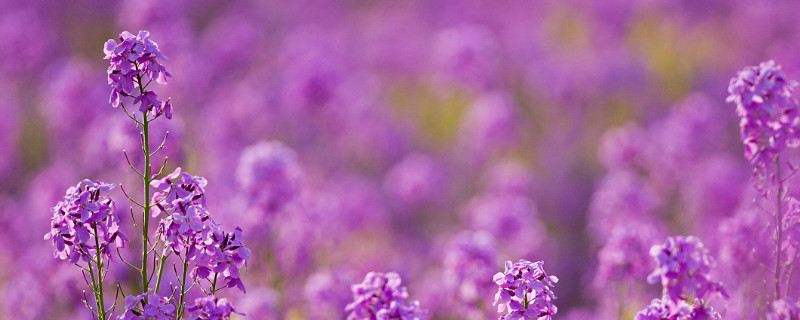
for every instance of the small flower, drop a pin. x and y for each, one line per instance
(380, 296)
(156, 308)
(665, 309)
(210, 307)
(525, 291)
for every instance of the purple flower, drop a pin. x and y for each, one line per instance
(664, 309)
(768, 113)
(178, 189)
(135, 63)
(683, 266)
(657, 310)
(82, 220)
(188, 227)
(216, 253)
(380, 296)
(210, 308)
(525, 291)
(156, 308)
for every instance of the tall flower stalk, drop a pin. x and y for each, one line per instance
(769, 123)
(132, 58)
(84, 224)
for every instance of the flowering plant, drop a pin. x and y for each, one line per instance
(85, 224)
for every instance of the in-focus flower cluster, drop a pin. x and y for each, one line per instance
(134, 64)
(148, 306)
(84, 220)
(525, 291)
(188, 229)
(210, 308)
(769, 116)
(380, 296)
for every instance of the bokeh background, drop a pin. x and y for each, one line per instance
(436, 139)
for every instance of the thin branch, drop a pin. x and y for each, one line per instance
(133, 117)
(160, 170)
(126, 262)
(161, 146)
(129, 197)
(86, 303)
(134, 221)
(131, 164)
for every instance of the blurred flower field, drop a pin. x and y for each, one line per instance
(616, 159)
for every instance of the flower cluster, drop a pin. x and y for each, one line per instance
(85, 222)
(189, 228)
(148, 306)
(684, 267)
(182, 197)
(525, 291)
(660, 309)
(220, 253)
(210, 307)
(135, 63)
(380, 296)
(769, 116)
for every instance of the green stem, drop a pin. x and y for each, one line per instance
(183, 285)
(100, 302)
(94, 288)
(214, 284)
(526, 301)
(146, 178)
(160, 271)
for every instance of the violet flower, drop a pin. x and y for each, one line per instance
(684, 267)
(380, 296)
(134, 63)
(769, 117)
(156, 308)
(210, 308)
(525, 291)
(84, 219)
